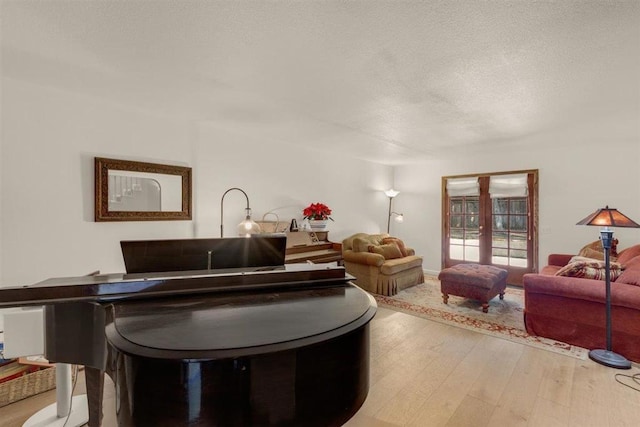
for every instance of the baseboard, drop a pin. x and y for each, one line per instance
(433, 273)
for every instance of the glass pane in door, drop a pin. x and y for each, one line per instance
(509, 231)
(464, 228)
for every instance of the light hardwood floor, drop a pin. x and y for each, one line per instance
(424, 373)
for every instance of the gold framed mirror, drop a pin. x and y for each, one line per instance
(127, 190)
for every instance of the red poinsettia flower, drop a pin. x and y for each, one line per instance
(317, 211)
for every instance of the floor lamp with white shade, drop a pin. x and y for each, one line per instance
(398, 217)
(605, 218)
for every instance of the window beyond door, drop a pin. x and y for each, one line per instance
(491, 219)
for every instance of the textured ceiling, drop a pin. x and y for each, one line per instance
(392, 82)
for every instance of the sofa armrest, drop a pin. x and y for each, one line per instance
(559, 259)
(366, 258)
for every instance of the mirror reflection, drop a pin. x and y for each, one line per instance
(131, 191)
(136, 191)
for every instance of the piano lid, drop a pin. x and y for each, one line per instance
(109, 287)
(215, 324)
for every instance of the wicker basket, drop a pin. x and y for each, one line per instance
(27, 385)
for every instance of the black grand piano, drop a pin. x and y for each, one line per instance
(248, 345)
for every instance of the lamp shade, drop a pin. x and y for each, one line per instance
(248, 226)
(609, 217)
(391, 192)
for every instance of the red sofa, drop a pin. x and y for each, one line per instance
(572, 309)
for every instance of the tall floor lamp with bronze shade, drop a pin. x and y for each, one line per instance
(608, 217)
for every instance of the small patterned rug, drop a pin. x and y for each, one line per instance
(505, 318)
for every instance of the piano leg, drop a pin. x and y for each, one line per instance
(94, 379)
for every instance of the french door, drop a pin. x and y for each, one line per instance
(491, 219)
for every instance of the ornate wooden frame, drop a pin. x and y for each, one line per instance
(102, 213)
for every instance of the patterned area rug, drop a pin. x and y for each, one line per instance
(504, 320)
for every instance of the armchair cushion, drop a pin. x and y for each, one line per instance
(394, 266)
(365, 258)
(388, 251)
(398, 242)
(360, 245)
(362, 241)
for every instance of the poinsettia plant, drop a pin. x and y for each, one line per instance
(317, 211)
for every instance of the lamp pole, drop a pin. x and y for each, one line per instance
(606, 236)
(389, 216)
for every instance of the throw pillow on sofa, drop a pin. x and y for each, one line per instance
(589, 269)
(630, 272)
(360, 245)
(388, 251)
(596, 251)
(628, 254)
(398, 242)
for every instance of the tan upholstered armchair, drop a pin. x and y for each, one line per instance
(380, 263)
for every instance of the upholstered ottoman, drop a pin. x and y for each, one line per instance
(474, 281)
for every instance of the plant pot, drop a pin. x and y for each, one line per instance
(319, 224)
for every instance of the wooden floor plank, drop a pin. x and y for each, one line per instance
(557, 382)
(549, 414)
(516, 404)
(471, 412)
(491, 383)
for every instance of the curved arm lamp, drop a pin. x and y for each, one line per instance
(246, 227)
(391, 193)
(608, 217)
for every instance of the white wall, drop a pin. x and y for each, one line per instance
(50, 138)
(1, 162)
(49, 141)
(583, 167)
(284, 180)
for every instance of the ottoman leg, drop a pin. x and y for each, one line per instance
(501, 295)
(485, 307)
(445, 298)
